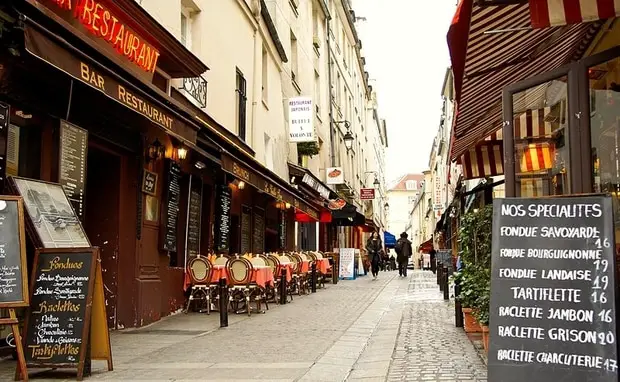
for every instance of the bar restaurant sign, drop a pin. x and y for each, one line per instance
(106, 24)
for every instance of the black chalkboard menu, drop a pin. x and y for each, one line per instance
(222, 218)
(72, 169)
(246, 230)
(552, 312)
(13, 272)
(194, 217)
(171, 207)
(258, 235)
(58, 321)
(282, 230)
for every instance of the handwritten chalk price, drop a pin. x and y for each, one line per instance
(610, 365)
(599, 297)
(600, 282)
(603, 244)
(601, 264)
(605, 315)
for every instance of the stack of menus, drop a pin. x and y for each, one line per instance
(553, 290)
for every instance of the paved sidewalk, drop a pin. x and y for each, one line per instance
(363, 330)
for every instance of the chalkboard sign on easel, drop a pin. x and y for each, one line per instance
(13, 270)
(66, 307)
(553, 290)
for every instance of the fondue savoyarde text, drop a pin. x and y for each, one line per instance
(554, 260)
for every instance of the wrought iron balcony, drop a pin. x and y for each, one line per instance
(196, 88)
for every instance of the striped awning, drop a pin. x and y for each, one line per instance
(487, 157)
(548, 13)
(492, 47)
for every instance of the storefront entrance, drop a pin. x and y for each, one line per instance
(563, 131)
(102, 219)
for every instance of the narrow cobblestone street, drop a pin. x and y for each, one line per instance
(391, 329)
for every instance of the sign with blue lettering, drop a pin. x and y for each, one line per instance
(553, 290)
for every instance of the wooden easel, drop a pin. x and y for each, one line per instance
(14, 322)
(95, 335)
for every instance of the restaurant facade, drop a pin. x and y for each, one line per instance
(538, 96)
(98, 97)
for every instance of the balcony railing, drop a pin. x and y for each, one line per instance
(196, 87)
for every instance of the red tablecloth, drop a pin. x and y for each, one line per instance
(305, 267)
(322, 265)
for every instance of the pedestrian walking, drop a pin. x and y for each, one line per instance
(374, 247)
(403, 253)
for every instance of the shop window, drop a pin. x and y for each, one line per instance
(241, 91)
(541, 140)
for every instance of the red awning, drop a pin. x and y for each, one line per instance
(324, 217)
(426, 247)
(494, 46)
(547, 13)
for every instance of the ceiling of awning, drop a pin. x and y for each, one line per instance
(495, 46)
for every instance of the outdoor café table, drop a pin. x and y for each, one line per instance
(305, 267)
(261, 275)
(322, 265)
(289, 270)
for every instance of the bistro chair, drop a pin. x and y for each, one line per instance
(221, 260)
(243, 291)
(199, 270)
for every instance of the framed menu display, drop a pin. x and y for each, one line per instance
(194, 217)
(52, 221)
(258, 233)
(170, 211)
(72, 164)
(223, 203)
(13, 271)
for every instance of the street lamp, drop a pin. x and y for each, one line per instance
(348, 140)
(376, 183)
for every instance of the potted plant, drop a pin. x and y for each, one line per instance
(468, 296)
(475, 253)
(482, 307)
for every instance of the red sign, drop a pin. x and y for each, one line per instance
(367, 193)
(103, 23)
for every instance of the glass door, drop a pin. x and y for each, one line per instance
(539, 136)
(600, 99)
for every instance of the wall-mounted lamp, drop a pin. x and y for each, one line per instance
(386, 206)
(200, 165)
(287, 205)
(241, 185)
(348, 137)
(376, 183)
(181, 152)
(155, 151)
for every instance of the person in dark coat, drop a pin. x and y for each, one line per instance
(403, 253)
(374, 246)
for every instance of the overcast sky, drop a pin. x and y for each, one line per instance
(404, 42)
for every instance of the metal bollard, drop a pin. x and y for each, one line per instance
(313, 278)
(440, 278)
(446, 278)
(283, 287)
(223, 303)
(458, 309)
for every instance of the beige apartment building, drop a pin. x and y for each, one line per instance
(263, 53)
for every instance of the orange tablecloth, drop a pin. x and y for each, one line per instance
(322, 265)
(260, 275)
(305, 266)
(289, 271)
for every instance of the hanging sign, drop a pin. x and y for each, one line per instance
(553, 290)
(301, 120)
(367, 193)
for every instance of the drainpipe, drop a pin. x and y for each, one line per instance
(256, 93)
(332, 132)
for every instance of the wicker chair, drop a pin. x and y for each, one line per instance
(243, 291)
(200, 270)
(221, 260)
(274, 264)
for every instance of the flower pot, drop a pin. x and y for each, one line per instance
(485, 338)
(470, 323)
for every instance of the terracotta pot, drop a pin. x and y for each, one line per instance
(485, 338)
(470, 323)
